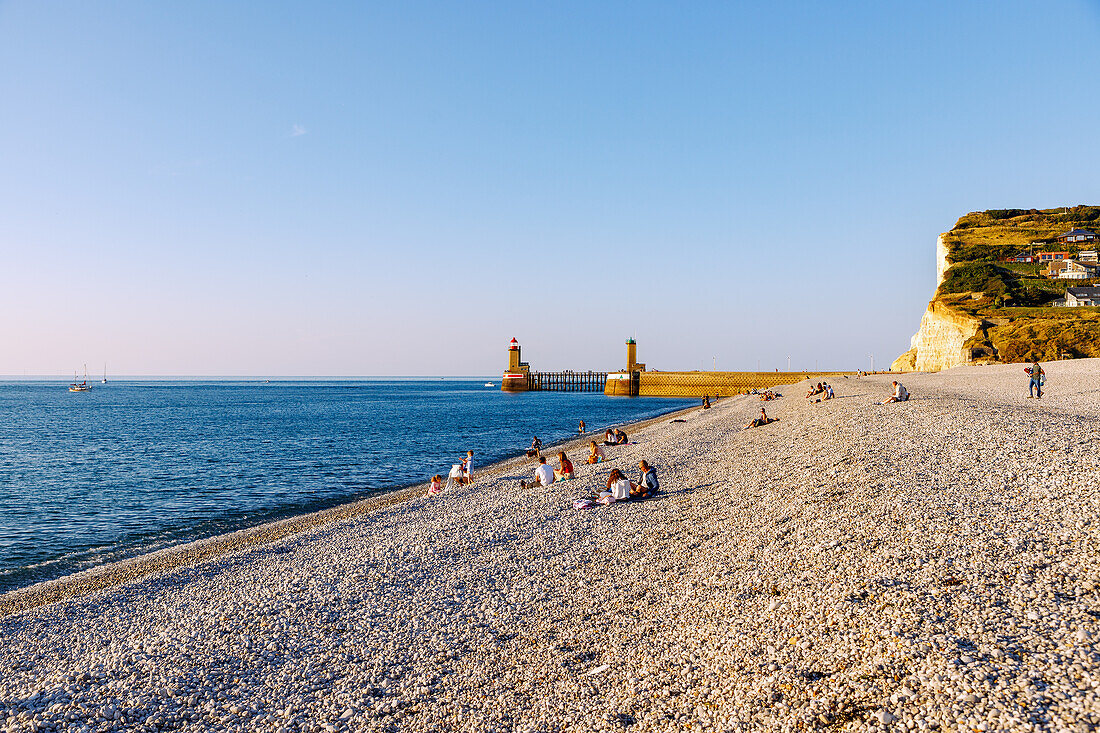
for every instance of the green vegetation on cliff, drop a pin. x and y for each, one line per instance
(1013, 299)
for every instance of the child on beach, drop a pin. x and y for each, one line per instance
(436, 485)
(564, 472)
(595, 453)
(468, 468)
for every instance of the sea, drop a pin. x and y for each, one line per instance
(130, 466)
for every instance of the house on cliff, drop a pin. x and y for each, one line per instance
(1077, 235)
(1072, 270)
(1082, 297)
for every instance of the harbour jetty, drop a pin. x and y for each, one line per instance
(923, 566)
(636, 381)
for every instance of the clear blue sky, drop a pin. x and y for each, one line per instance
(369, 188)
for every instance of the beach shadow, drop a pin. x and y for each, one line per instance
(666, 493)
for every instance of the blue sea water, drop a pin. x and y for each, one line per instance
(130, 467)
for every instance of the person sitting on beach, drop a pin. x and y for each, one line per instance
(829, 391)
(706, 402)
(647, 486)
(620, 437)
(1038, 377)
(564, 471)
(436, 485)
(544, 475)
(454, 478)
(760, 421)
(536, 448)
(901, 394)
(580, 428)
(468, 468)
(595, 452)
(618, 487)
(609, 437)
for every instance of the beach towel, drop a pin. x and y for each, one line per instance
(606, 500)
(583, 503)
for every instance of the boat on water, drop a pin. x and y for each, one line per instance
(489, 384)
(104, 374)
(80, 386)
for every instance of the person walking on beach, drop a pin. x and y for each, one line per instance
(1038, 377)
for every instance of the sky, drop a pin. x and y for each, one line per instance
(356, 189)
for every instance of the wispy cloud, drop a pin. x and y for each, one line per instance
(297, 131)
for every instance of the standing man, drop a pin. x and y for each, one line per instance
(1038, 376)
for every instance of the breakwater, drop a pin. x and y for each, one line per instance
(636, 381)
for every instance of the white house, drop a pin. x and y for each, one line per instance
(1073, 270)
(1082, 296)
(1087, 255)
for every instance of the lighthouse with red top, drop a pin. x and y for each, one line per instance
(515, 378)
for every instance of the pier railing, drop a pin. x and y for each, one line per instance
(566, 381)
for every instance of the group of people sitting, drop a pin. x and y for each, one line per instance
(620, 488)
(766, 395)
(821, 388)
(546, 475)
(460, 474)
(614, 437)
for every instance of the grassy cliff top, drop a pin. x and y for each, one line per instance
(998, 233)
(1012, 299)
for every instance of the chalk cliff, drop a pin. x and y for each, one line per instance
(939, 342)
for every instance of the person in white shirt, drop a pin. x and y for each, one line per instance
(618, 486)
(454, 478)
(544, 475)
(901, 394)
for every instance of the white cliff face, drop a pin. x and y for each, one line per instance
(941, 259)
(938, 343)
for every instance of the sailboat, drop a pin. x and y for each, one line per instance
(80, 386)
(104, 374)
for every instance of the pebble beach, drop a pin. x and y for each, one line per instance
(929, 565)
